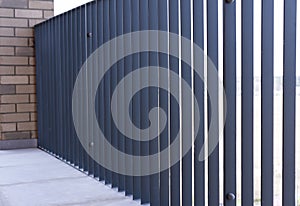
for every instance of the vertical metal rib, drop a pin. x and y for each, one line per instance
(144, 109)
(247, 103)
(174, 113)
(107, 130)
(229, 64)
(289, 101)
(113, 82)
(100, 97)
(164, 186)
(267, 102)
(136, 21)
(186, 107)
(153, 102)
(199, 167)
(127, 23)
(212, 52)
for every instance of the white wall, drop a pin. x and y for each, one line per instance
(61, 6)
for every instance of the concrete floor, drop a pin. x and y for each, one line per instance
(31, 177)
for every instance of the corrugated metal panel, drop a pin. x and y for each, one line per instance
(65, 43)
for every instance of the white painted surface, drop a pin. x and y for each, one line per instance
(61, 6)
(32, 177)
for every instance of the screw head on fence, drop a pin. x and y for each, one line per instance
(89, 34)
(230, 196)
(229, 1)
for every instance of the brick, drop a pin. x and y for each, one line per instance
(12, 60)
(14, 98)
(8, 127)
(31, 60)
(7, 31)
(7, 108)
(7, 89)
(33, 116)
(26, 107)
(33, 22)
(10, 22)
(25, 89)
(16, 117)
(48, 14)
(13, 41)
(33, 98)
(25, 70)
(31, 42)
(28, 13)
(16, 135)
(25, 51)
(32, 79)
(7, 51)
(41, 5)
(34, 134)
(6, 12)
(14, 4)
(25, 126)
(6, 70)
(13, 80)
(24, 32)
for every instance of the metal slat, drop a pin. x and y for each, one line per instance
(212, 52)
(48, 131)
(153, 102)
(120, 75)
(64, 52)
(174, 113)
(39, 89)
(267, 102)
(199, 167)
(229, 12)
(67, 60)
(51, 141)
(164, 183)
(70, 89)
(135, 20)
(95, 41)
(52, 94)
(247, 103)
(186, 106)
(44, 72)
(289, 102)
(76, 70)
(90, 18)
(99, 98)
(81, 55)
(113, 82)
(144, 102)
(127, 18)
(59, 90)
(107, 130)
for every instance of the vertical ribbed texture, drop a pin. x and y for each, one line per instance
(247, 103)
(229, 76)
(289, 101)
(212, 54)
(267, 102)
(63, 46)
(174, 113)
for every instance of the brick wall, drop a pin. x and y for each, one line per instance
(17, 66)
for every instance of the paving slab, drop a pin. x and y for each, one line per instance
(31, 177)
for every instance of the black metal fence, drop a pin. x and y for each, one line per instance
(65, 42)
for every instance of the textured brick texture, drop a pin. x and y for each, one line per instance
(18, 115)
